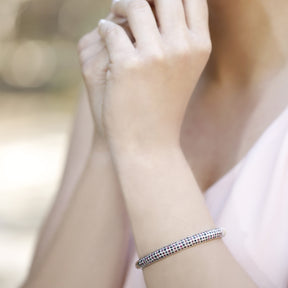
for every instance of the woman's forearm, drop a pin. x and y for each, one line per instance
(85, 244)
(80, 145)
(165, 205)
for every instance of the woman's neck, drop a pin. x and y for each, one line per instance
(250, 41)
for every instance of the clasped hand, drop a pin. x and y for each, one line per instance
(139, 86)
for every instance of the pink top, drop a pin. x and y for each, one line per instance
(251, 202)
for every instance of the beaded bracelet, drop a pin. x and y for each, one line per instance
(179, 245)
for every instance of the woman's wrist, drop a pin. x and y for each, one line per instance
(135, 161)
(123, 150)
(153, 183)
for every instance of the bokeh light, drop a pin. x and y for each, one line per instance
(40, 81)
(31, 64)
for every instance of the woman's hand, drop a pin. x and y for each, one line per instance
(94, 55)
(148, 83)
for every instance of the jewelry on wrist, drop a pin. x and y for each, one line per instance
(177, 246)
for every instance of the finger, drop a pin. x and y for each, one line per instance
(94, 70)
(93, 36)
(91, 51)
(171, 15)
(119, 12)
(117, 41)
(89, 39)
(125, 25)
(141, 21)
(197, 15)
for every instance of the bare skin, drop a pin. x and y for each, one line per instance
(233, 126)
(228, 90)
(88, 210)
(240, 94)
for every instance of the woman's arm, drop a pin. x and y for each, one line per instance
(84, 241)
(148, 87)
(165, 204)
(78, 155)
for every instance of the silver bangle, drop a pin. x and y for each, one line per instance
(180, 245)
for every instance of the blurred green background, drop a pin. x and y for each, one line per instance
(40, 81)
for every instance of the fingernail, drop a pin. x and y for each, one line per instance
(101, 23)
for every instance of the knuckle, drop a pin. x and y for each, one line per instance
(207, 46)
(183, 51)
(83, 55)
(88, 70)
(200, 44)
(86, 40)
(92, 53)
(204, 46)
(130, 65)
(189, 52)
(111, 30)
(155, 57)
(82, 43)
